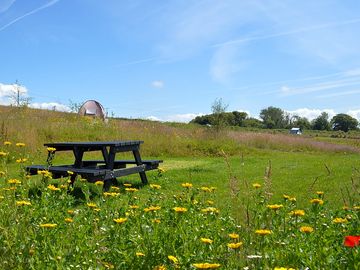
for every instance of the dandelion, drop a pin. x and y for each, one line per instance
(91, 205)
(139, 254)
(70, 212)
(108, 265)
(7, 143)
(339, 220)
(48, 225)
(70, 172)
(22, 203)
(53, 188)
(51, 149)
(210, 210)
(99, 183)
(233, 236)
(134, 206)
(317, 201)
(3, 154)
(96, 209)
(127, 185)
(274, 206)
(131, 189)
(206, 189)
(320, 193)
(154, 186)
(152, 208)
(161, 170)
(20, 144)
(173, 259)
(306, 229)
(206, 265)
(180, 209)
(120, 220)
(160, 267)
(292, 199)
(187, 185)
(21, 160)
(44, 173)
(263, 232)
(69, 220)
(156, 220)
(111, 194)
(115, 188)
(356, 207)
(286, 197)
(352, 241)
(210, 202)
(297, 213)
(256, 185)
(206, 240)
(235, 245)
(14, 181)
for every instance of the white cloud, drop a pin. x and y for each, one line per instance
(311, 113)
(354, 113)
(153, 118)
(8, 93)
(50, 106)
(158, 84)
(183, 118)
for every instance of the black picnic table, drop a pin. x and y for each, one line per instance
(106, 169)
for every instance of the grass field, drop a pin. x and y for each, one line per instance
(236, 179)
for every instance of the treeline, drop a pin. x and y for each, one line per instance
(276, 118)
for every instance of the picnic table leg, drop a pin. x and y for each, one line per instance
(108, 183)
(139, 162)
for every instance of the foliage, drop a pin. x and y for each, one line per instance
(344, 122)
(321, 122)
(274, 117)
(218, 109)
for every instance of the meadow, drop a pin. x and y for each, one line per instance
(236, 199)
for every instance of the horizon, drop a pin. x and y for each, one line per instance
(170, 61)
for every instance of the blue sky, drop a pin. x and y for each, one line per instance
(170, 59)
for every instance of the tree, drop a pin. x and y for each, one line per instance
(273, 117)
(239, 118)
(18, 96)
(344, 122)
(218, 109)
(321, 122)
(300, 122)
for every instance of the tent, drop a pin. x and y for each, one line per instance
(92, 108)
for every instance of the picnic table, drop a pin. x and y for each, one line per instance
(106, 169)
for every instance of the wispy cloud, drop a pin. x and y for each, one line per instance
(5, 5)
(139, 61)
(339, 94)
(158, 84)
(54, 106)
(8, 93)
(49, 4)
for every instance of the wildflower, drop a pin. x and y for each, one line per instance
(356, 207)
(187, 185)
(70, 172)
(233, 235)
(48, 225)
(352, 241)
(70, 212)
(154, 186)
(297, 213)
(254, 256)
(69, 220)
(283, 268)
(160, 267)
(14, 181)
(53, 188)
(317, 201)
(156, 220)
(120, 220)
(115, 188)
(286, 197)
(134, 206)
(320, 193)
(340, 220)
(152, 208)
(256, 185)
(22, 203)
(206, 189)
(139, 254)
(210, 202)
(263, 232)
(210, 210)
(2, 173)
(173, 259)
(306, 229)
(161, 170)
(292, 199)
(7, 143)
(206, 265)
(131, 189)
(44, 173)
(51, 149)
(180, 209)
(127, 185)
(91, 205)
(21, 160)
(235, 245)
(99, 183)
(274, 206)
(20, 144)
(3, 154)
(108, 265)
(96, 209)
(111, 194)
(206, 240)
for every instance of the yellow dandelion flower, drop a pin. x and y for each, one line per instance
(14, 181)
(70, 212)
(115, 188)
(21, 160)
(206, 240)
(210, 202)
(180, 209)
(286, 197)
(131, 189)
(53, 188)
(22, 203)
(48, 225)
(139, 254)
(206, 189)
(99, 183)
(187, 185)
(256, 185)
(263, 232)
(154, 186)
(356, 207)
(108, 265)
(210, 210)
(173, 259)
(339, 220)
(69, 220)
(206, 265)
(20, 144)
(51, 149)
(292, 199)
(317, 201)
(235, 245)
(156, 220)
(111, 194)
(127, 185)
(96, 209)
(160, 267)
(70, 173)
(274, 206)
(161, 170)
(91, 205)
(234, 236)
(120, 220)
(3, 154)
(306, 229)
(297, 213)
(134, 206)
(152, 208)
(7, 143)
(320, 193)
